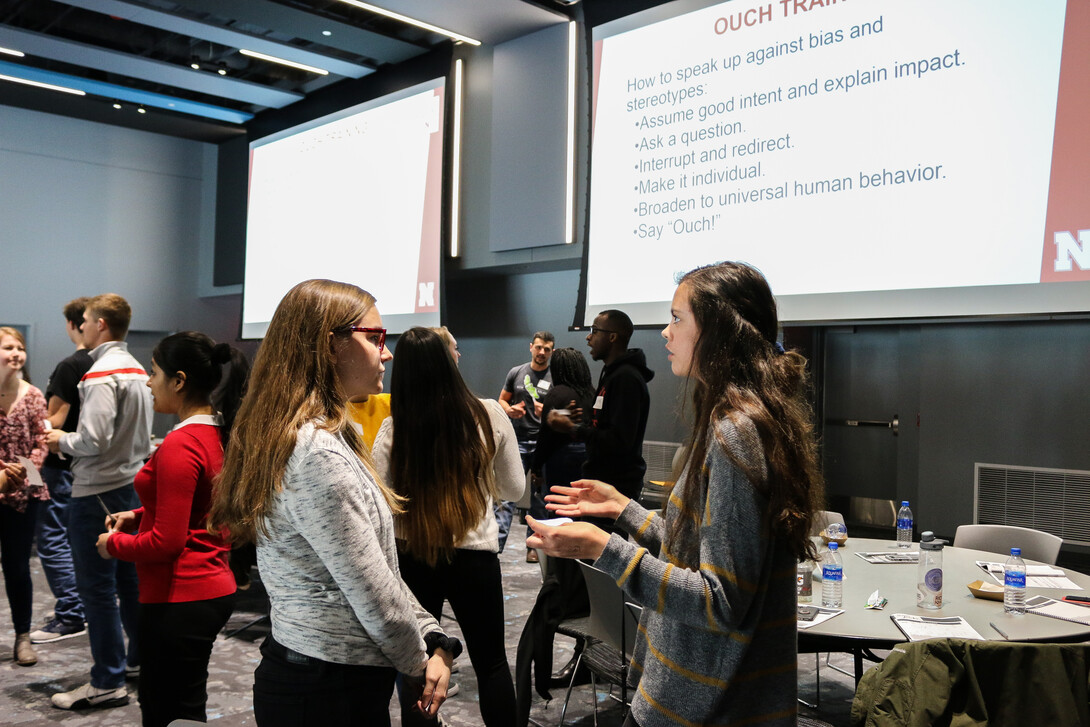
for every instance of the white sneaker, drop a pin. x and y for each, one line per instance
(88, 697)
(57, 630)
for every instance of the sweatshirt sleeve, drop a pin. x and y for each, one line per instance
(178, 466)
(337, 518)
(380, 453)
(734, 558)
(510, 477)
(96, 421)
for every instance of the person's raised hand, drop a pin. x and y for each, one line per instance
(586, 498)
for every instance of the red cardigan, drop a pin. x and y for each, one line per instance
(177, 560)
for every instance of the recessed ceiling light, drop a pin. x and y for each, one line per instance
(141, 110)
(327, 33)
(195, 66)
(117, 105)
(222, 71)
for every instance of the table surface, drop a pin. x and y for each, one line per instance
(897, 582)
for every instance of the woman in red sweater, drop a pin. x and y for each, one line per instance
(186, 587)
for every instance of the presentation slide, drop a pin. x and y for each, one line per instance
(356, 197)
(876, 159)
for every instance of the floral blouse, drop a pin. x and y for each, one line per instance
(22, 434)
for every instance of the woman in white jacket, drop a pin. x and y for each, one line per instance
(449, 454)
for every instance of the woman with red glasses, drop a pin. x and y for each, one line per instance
(300, 482)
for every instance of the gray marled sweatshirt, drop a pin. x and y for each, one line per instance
(329, 563)
(718, 643)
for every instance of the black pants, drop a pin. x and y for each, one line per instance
(175, 644)
(16, 536)
(295, 690)
(471, 582)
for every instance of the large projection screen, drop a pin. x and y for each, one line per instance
(876, 159)
(355, 196)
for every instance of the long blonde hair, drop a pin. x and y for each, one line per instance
(293, 382)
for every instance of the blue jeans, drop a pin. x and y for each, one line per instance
(505, 510)
(53, 548)
(107, 588)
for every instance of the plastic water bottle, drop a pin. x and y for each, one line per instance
(832, 578)
(1014, 583)
(904, 526)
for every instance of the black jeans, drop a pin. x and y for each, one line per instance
(175, 643)
(16, 536)
(471, 582)
(295, 690)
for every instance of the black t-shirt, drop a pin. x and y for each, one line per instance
(64, 383)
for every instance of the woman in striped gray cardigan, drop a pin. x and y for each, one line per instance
(715, 572)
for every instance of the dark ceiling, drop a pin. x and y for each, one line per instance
(181, 61)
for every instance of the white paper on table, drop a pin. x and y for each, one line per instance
(823, 614)
(920, 628)
(1037, 576)
(33, 476)
(894, 557)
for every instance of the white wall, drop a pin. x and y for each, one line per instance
(87, 208)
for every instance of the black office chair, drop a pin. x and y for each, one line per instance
(609, 635)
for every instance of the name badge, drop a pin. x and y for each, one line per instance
(599, 402)
(543, 386)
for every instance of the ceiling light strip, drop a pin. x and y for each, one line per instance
(224, 36)
(569, 170)
(39, 84)
(456, 163)
(411, 21)
(283, 62)
(12, 52)
(122, 93)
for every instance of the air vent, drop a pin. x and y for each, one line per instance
(659, 457)
(1055, 501)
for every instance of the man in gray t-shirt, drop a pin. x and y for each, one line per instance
(523, 390)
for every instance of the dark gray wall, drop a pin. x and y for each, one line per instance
(996, 392)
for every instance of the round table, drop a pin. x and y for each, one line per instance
(859, 628)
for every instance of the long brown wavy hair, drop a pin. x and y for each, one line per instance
(442, 452)
(293, 382)
(740, 373)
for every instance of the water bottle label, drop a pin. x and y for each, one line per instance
(933, 580)
(832, 572)
(903, 523)
(1014, 580)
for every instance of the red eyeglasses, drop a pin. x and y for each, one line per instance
(380, 332)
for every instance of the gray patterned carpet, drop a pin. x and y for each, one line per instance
(25, 691)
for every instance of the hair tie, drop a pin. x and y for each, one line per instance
(779, 347)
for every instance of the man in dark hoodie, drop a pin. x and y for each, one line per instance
(613, 430)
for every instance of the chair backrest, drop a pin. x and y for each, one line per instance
(611, 620)
(823, 518)
(1035, 544)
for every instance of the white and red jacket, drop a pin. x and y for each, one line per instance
(113, 437)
